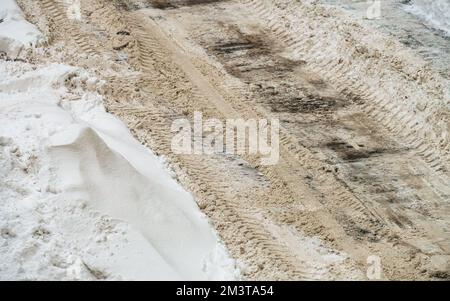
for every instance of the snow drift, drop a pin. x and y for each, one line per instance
(16, 34)
(81, 198)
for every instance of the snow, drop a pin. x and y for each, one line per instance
(436, 12)
(81, 199)
(16, 34)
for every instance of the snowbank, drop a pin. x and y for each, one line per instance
(16, 33)
(80, 198)
(436, 12)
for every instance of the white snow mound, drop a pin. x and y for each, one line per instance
(16, 34)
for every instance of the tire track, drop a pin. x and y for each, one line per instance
(207, 182)
(378, 105)
(203, 179)
(212, 191)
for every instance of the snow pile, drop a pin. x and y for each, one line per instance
(435, 12)
(16, 33)
(81, 198)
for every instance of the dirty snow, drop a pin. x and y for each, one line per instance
(435, 12)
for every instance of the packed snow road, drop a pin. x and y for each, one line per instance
(364, 157)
